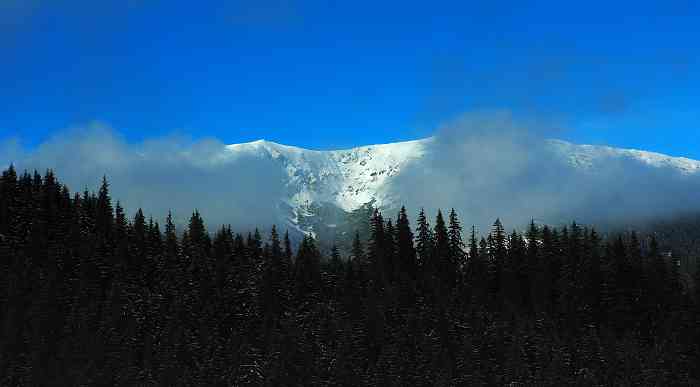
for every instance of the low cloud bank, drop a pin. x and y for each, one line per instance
(158, 175)
(489, 165)
(485, 165)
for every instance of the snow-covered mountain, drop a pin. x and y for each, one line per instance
(589, 155)
(345, 180)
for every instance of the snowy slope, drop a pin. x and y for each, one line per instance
(586, 156)
(344, 178)
(349, 178)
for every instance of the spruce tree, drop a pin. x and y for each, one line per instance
(593, 274)
(457, 253)
(358, 255)
(390, 252)
(255, 246)
(622, 295)
(532, 267)
(441, 264)
(8, 195)
(104, 212)
(496, 259)
(550, 265)
(273, 294)
(474, 273)
(307, 269)
(406, 252)
(171, 243)
(424, 241)
(276, 252)
(154, 254)
(198, 233)
(120, 223)
(336, 273)
(288, 253)
(376, 253)
(517, 283)
(473, 244)
(569, 280)
(138, 240)
(198, 255)
(498, 236)
(488, 279)
(222, 250)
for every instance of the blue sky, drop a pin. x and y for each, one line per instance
(329, 74)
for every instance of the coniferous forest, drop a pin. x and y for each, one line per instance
(92, 296)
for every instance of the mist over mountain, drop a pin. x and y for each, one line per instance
(482, 165)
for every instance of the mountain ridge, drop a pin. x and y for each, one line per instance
(352, 177)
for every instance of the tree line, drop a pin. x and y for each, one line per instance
(91, 296)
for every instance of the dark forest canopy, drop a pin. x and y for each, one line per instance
(91, 296)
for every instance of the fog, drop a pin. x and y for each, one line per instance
(485, 165)
(488, 165)
(160, 174)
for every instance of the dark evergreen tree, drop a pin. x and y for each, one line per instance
(532, 266)
(8, 194)
(569, 282)
(274, 296)
(473, 244)
(288, 253)
(307, 269)
(550, 267)
(390, 266)
(622, 296)
(358, 254)
(517, 284)
(154, 254)
(138, 241)
(458, 256)
(424, 241)
(497, 252)
(441, 263)
(592, 274)
(475, 272)
(104, 213)
(376, 251)
(171, 242)
(406, 265)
